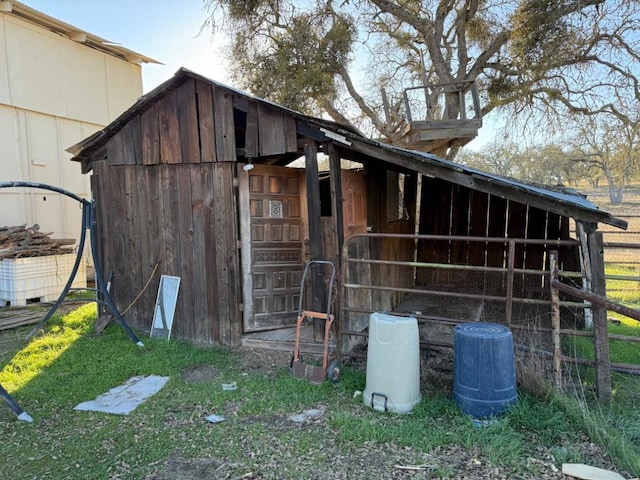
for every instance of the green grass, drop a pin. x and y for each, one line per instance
(68, 365)
(625, 291)
(617, 425)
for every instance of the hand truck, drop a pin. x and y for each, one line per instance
(328, 370)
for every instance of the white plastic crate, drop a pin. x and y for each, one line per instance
(38, 278)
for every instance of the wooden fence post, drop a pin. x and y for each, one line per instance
(585, 263)
(511, 260)
(600, 328)
(555, 321)
(318, 298)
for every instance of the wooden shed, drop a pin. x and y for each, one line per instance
(173, 198)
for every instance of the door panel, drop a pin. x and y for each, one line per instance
(272, 254)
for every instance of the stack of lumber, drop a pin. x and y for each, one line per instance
(23, 241)
(18, 317)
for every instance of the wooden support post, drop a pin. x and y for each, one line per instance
(511, 256)
(336, 195)
(585, 264)
(600, 329)
(315, 235)
(338, 224)
(555, 321)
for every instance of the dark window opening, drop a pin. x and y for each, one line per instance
(325, 197)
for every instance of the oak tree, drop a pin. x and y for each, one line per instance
(535, 59)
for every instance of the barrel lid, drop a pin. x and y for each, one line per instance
(386, 318)
(482, 330)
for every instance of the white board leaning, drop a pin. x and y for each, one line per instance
(165, 307)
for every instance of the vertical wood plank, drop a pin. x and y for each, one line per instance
(497, 229)
(224, 125)
(115, 150)
(201, 315)
(245, 248)
(150, 136)
(478, 204)
(290, 134)
(117, 235)
(210, 245)
(555, 321)
(336, 199)
(251, 143)
(337, 229)
(511, 253)
(516, 228)
(132, 245)
(169, 129)
(188, 122)
(145, 219)
(585, 262)
(131, 142)
(185, 231)
(315, 233)
(175, 240)
(205, 122)
(459, 223)
(600, 328)
(171, 241)
(100, 189)
(435, 208)
(271, 131)
(226, 260)
(535, 254)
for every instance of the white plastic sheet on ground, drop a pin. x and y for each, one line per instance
(123, 399)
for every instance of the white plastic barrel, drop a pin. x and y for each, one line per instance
(393, 364)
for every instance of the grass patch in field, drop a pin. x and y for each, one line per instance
(623, 290)
(258, 435)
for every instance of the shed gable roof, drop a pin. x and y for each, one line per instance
(561, 201)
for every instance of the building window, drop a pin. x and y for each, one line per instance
(275, 209)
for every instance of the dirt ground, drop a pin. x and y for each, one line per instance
(367, 461)
(328, 460)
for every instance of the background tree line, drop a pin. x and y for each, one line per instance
(598, 155)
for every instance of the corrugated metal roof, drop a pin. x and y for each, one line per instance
(561, 194)
(84, 150)
(20, 10)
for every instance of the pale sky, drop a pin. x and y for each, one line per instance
(166, 30)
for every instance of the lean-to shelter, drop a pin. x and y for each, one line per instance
(192, 181)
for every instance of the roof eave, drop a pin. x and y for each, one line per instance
(20, 10)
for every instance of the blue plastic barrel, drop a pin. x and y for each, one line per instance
(484, 374)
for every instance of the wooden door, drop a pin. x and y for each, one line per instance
(271, 245)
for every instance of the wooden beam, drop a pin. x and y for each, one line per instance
(600, 334)
(315, 233)
(336, 195)
(555, 321)
(338, 224)
(224, 125)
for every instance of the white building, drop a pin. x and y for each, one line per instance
(58, 85)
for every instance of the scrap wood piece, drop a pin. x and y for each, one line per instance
(18, 318)
(587, 472)
(21, 241)
(413, 467)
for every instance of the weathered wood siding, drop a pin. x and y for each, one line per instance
(166, 205)
(453, 210)
(389, 249)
